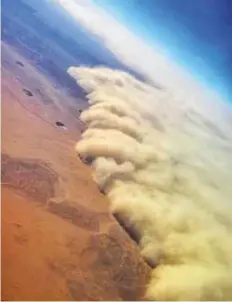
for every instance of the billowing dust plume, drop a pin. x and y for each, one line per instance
(166, 165)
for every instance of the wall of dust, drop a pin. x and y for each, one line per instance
(166, 165)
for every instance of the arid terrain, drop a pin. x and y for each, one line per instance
(59, 241)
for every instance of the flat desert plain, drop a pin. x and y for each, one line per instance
(59, 241)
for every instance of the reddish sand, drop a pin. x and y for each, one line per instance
(59, 241)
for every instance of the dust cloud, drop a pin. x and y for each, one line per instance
(166, 165)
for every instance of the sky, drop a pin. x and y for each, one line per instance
(168, 35)
(198, 34)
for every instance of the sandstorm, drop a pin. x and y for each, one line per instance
(166, 166)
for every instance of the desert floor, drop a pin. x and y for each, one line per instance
(59, 241)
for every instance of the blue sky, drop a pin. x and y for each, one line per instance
(197, 34)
